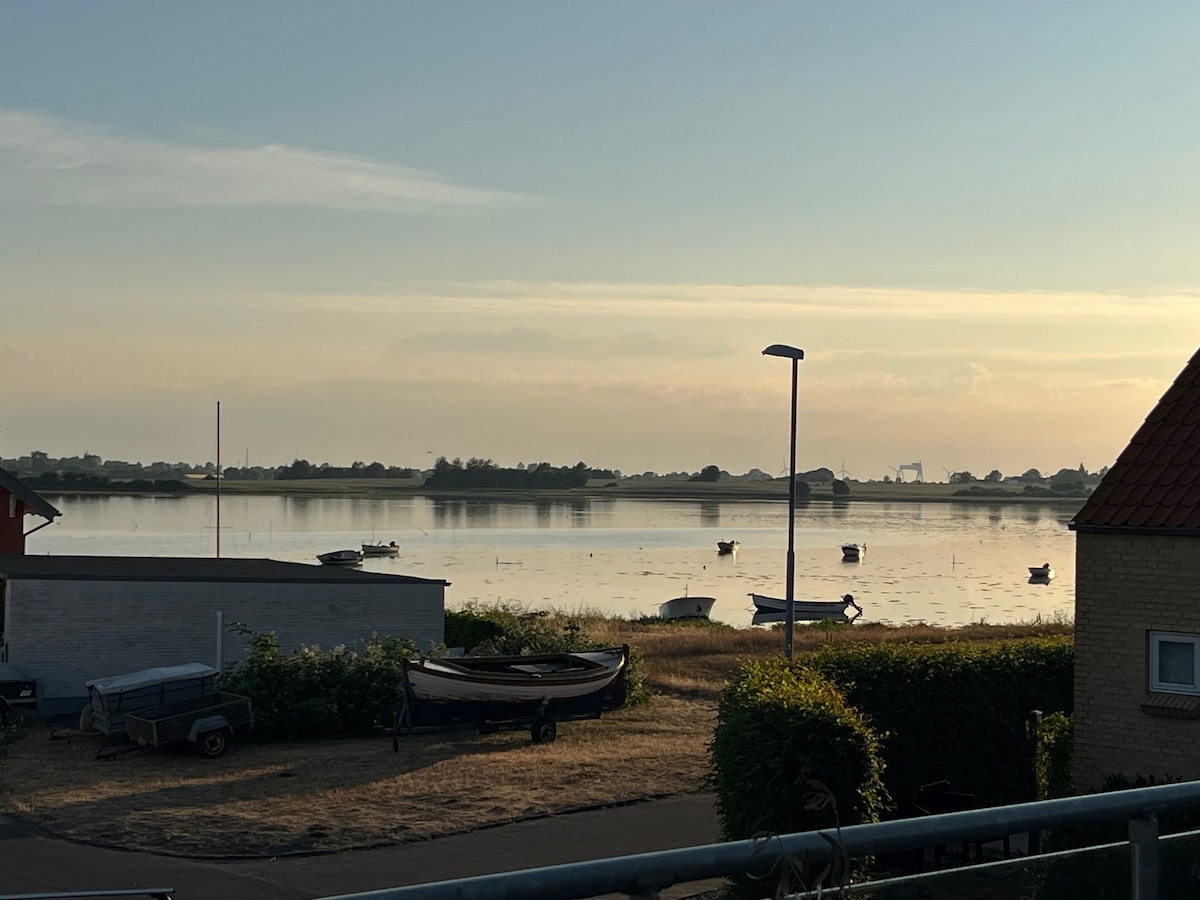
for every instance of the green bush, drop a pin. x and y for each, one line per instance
(1052, 758)
(956, 711)
(313, 693)
(510, 630)
(788, 754)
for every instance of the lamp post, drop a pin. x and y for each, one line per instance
(795, 354)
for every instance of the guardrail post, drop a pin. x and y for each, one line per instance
(1143, 848)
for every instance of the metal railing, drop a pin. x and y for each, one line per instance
(643, 875)
(161, 893)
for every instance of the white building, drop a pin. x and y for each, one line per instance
(65, 620)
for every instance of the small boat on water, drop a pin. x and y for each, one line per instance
(381, 549)
(853, 552)
(727, 546)
(686, 607)
(774, 609)
(341, 558)
(514, 679)
(1041, 573)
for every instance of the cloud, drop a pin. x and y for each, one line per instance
(760, 302)
(56, 162)
(525, 342)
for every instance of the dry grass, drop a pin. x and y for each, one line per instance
(276, 799)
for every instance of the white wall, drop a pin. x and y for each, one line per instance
(65, 633)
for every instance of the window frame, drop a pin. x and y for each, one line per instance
(1167, 687)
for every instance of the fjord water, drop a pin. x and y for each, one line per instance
(940, 563)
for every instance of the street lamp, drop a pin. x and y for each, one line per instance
(795, 354)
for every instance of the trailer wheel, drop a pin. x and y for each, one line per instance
(544, 730)
(212, 744)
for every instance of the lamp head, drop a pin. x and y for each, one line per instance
(785, 351)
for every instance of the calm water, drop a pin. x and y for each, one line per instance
(941, 563)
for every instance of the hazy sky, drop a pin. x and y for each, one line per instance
(566, 231)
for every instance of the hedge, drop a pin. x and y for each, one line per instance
(954, 712)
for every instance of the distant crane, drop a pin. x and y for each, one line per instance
(914, 467)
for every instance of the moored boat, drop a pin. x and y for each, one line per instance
(804, 610)
(341, 558)
(687, 608)
(1042, 572)
(727, 546)
(381, 549)
(853, 552)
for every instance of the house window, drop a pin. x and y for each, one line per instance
(1173, 662)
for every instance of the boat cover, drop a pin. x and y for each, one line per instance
(149, 677)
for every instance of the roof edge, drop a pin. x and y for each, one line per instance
(1134, 529)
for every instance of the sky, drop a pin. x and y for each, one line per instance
(532, 231)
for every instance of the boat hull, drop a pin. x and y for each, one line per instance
(514, 680)
(341, 558)
(727, 546)
(687, 608)
(380, 550)
(805, 610)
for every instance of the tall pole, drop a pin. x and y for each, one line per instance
(219, 480)
(795, 354)
(790, 618)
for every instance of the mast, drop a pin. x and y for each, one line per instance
(218, 479)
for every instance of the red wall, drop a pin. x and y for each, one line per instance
(12, 528)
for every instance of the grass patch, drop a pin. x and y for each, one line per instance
(326, 795)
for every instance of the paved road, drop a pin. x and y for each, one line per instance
(32, 863)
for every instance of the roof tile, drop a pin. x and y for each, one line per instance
(1155, 482)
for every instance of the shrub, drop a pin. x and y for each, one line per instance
(1052, 758)
(310, 692)
(956, 711)
(783, 735)
(509, 630)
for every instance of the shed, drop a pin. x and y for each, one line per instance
(1137, 619)
(67, 620)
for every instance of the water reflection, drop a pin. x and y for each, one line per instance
(941, 563)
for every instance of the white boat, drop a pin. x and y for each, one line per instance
(804, 610)
(727, 546)
(1043, 572)
(853, 551)
(513, 679)
(341, 558)
(687, 608)
(381, 549)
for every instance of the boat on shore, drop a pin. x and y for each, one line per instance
(774, 609)
(853, 552)
(381, 549)
(341, 558)
(727, 546)
(686, 607)
(536, 678)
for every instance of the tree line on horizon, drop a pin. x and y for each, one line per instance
(90, 470)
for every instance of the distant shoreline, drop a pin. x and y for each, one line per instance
(702, 492)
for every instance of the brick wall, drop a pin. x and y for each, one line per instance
(65, 633)
(1125, 587)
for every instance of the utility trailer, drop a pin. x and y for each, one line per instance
(208, 722)
(111, 699)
